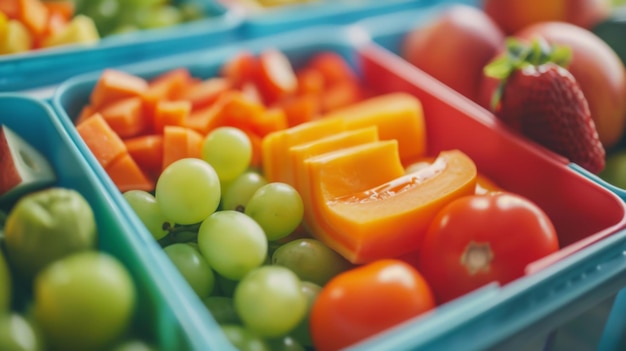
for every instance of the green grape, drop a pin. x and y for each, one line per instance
(193, 267)
(302, 332)
(270, 301)
(222, 309)
(191, 12)
(19, 334)
(237, 193)
(188, 191)
(232, 243)
(145, 206)
(243, 339)
(228, 150)
(278, 209)
(87, 286)
(158, 17)
(311, 260)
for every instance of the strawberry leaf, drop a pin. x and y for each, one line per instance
(520, 54)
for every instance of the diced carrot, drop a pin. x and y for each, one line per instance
(127, 175)
(271, 120)
(64, 8)
(57, 22)
(194, 144)
(231, 109)
(206, 92)
(115, 85)
(170, 84)
(310, 81)
(103, 142)
(241, 68)
(300, 109)
(251, 92)
(237, 111)
(340, 95)
(170, 113)
(333, 67)
(276, 77)
(34, 14)
(86, 112)
(125, 117)
(180, 142)
(10, 8)
(199, 120)
(147, 151)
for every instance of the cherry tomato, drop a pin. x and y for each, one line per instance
(366, 300)
(483, 238)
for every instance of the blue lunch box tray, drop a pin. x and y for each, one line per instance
(162, 315)
(590, 238)
(274, 20)
(599, 284)
(36, 70)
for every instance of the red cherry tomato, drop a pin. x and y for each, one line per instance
(483, 238)
(366, 300)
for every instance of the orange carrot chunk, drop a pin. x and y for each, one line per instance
(340, 95)
(180, 142)
(271, 120)
(125, 117)
(241, 68)
(114, 85)
(64, 8)
(103, 142)
(86, 112)
(276, 77)
(127, 175)
(333, 67)
(301, 108)
(310, 81)
(167, 86)
(232, 109)
(34, 14)
(206, 92)
(147, 151)
(10, 8)
(170, 113)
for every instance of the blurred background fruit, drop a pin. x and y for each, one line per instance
(513, 15)
(598, 70)
(455, 47)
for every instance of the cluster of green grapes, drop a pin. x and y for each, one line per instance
(228, 230)
(120, 16)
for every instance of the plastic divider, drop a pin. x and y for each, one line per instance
(162, 314)
(593, 238)
(38, 72)
(273, 20)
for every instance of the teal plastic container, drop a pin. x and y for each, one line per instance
(261, 21)
(38, 72)
(163, 316)
(547, 315)
(591, 237)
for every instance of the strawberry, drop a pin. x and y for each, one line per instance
(541, 99)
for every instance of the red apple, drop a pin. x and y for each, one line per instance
(454, 47)
(513, 15)
(599, 71)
